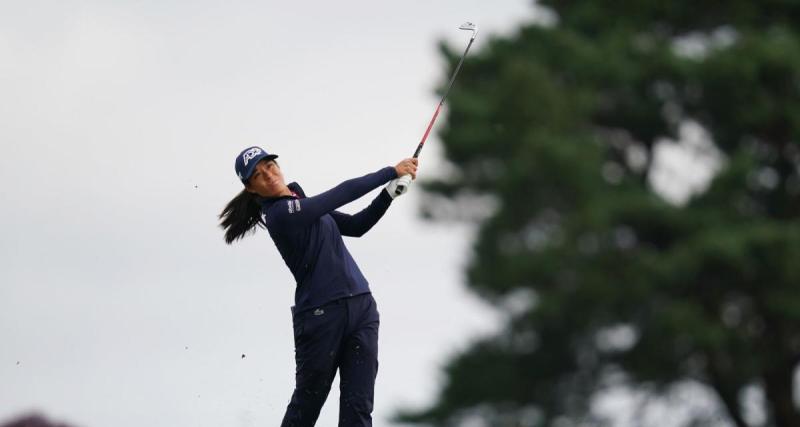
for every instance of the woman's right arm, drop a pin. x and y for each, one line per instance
(301, 212)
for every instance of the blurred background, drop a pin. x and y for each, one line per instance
(604, 232)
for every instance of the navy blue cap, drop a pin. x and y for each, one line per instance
(246, 162)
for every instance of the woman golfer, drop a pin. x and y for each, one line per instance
(334, 315)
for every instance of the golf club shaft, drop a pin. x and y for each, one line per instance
(466, 26)
(439, 107)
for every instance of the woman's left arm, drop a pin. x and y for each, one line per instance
(357, 224)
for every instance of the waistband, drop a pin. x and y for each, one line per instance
(342, 300)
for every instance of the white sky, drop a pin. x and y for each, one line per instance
(120, 305)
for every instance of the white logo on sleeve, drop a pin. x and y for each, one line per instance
(294, 205)
(250, 154)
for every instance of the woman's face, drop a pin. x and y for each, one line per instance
(267, 180)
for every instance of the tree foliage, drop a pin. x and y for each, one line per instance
(607, 282)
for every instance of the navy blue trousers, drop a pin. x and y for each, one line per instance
(341, 335)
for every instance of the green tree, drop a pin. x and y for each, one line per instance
(607, 282)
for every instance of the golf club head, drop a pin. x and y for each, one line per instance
(469, 26)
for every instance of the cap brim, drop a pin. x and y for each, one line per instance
(252, 169)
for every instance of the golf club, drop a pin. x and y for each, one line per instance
(468, 26)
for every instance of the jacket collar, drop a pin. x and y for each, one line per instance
(297, 193)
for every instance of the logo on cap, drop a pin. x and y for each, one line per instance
(250, 154)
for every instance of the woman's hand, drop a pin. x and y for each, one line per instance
(407, 167)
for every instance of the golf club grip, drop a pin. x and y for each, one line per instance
(428, 129)
(400, 188)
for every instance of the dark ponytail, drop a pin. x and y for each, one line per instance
(240, 216)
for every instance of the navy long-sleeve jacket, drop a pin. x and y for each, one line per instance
(308, 234)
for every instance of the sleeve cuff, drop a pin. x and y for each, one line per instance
(385, 197)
